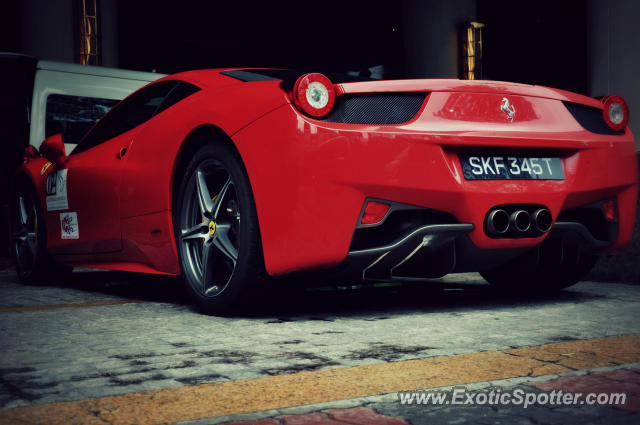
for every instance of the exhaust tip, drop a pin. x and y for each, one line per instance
(542, 220)
(497, 221)
(520, 220)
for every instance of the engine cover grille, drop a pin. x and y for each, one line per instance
(376, 108)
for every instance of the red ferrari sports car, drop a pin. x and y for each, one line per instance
(229, 176)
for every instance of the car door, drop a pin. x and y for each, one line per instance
(83, 216)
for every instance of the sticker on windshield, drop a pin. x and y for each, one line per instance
(56, 187)
(69, 225)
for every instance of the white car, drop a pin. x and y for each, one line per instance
(42, 98)
(70, 98)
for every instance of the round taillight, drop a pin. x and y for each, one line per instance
(314, 94)
(615, 112)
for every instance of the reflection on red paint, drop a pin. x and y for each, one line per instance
(479, 107)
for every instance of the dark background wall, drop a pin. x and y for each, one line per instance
(431, 36)
(585, 46)
(333, 35)
(542, 42)
(579, 45)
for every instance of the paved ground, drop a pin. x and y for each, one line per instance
(115, 348)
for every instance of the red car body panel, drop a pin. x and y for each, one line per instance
(324, 182)
(310, 178)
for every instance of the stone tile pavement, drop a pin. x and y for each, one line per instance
(117, 334)
(392, 412)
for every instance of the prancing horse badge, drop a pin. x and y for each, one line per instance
(508, 109)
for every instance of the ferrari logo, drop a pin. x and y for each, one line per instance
(508, 109)
(212, 227)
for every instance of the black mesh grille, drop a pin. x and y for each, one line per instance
(590, 118)
(376, 108)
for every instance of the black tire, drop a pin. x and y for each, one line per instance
(215, 281)
(34, 265)
(518, 276)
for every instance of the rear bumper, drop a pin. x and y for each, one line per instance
(433, 251)
(310, 180)
(419, 247)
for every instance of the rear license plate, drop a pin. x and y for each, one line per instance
(512, 167)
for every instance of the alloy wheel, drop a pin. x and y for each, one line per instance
(25, 232)
(209, 228)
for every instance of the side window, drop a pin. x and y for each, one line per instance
(73, 116)
(128, 114)
(179, 92)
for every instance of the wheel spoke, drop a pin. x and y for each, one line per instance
(208, 227)
(223, 243)
(218, 202)
(25, 256)
(196, 232)
(207, 266)
(24, 215)
(204, 197)
(31, 242)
